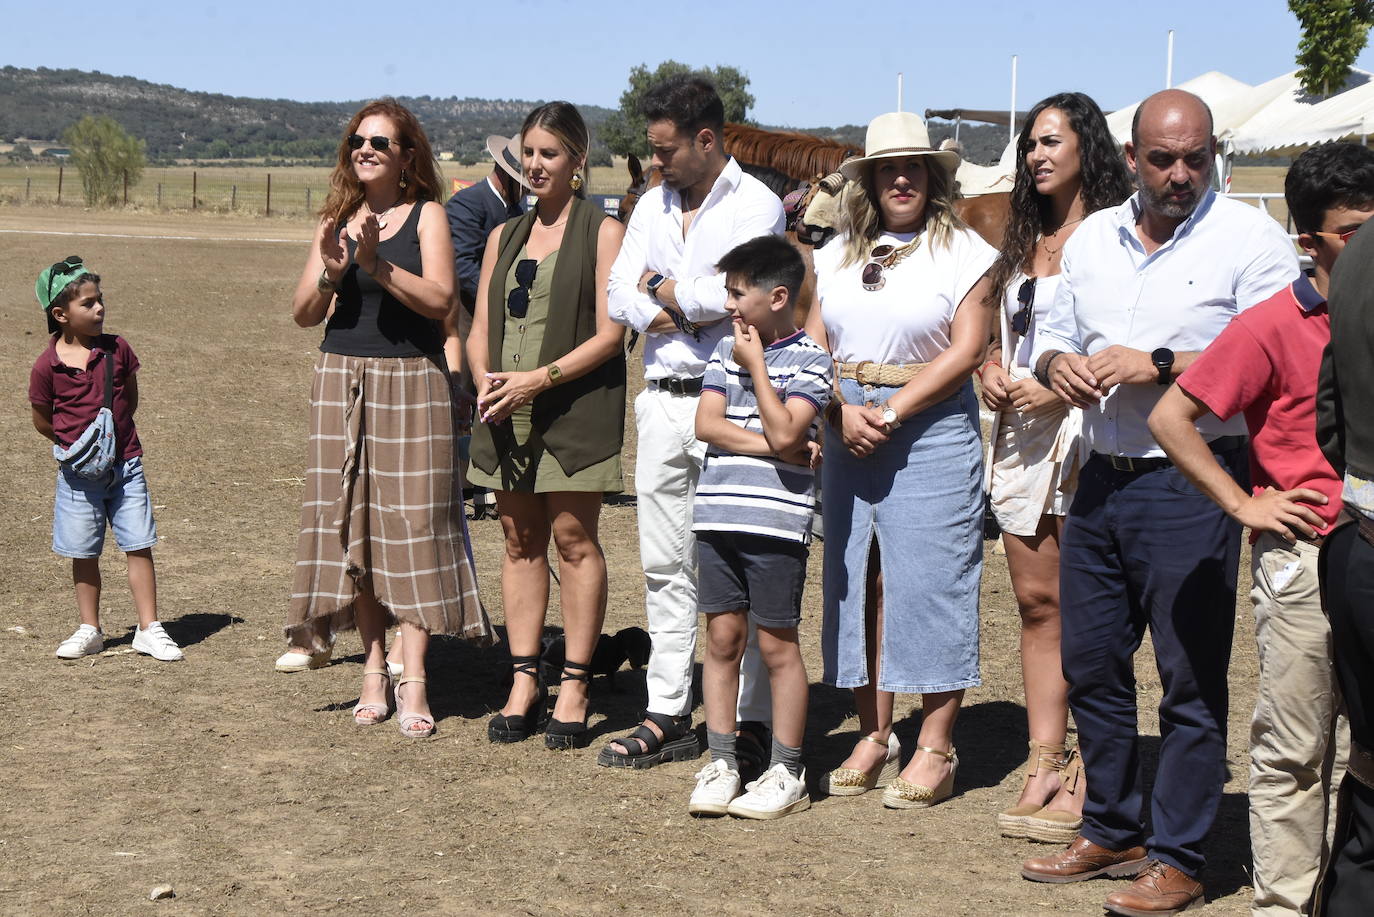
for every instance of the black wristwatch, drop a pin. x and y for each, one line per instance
(1163, 359)
(654, 283)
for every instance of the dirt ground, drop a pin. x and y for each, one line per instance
(252, 792)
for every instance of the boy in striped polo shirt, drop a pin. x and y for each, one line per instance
(761, 398)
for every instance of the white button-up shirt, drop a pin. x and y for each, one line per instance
(1226, 257)
(738, 208)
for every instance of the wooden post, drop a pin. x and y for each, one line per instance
(27, 183)
(126, 187)
(59, 184)
(233, 197)
(269, 193)
(159, 195)
(307, 200)
(193, 190)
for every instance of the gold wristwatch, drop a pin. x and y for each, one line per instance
(555, 374)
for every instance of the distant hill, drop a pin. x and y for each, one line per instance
(180, 124)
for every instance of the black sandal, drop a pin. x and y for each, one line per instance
(517, 728)
(560, 735)
(753, 748)
(679, 743)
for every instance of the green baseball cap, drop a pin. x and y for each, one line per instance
(53, 280)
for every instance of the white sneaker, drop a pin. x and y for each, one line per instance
(717, 784)
(84, 641)
(775, 794)
(153, 641)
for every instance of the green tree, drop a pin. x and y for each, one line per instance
(1334, 33)
(623, 130)
(106, 156)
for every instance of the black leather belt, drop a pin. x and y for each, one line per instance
(1138, 465)
(677, 386)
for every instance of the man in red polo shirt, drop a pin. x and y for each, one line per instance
(1265, 365)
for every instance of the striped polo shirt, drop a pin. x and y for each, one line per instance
(755, 494)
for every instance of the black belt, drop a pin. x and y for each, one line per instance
(1138, 465)
(677, 386)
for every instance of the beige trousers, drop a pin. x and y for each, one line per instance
(1298, 741)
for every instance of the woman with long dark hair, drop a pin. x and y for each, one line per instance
(382, 532)
(550, 374)
(1067, 167)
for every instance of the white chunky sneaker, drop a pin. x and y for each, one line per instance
(84, 641)
(717, 784)
(775, 794)
(153, 641)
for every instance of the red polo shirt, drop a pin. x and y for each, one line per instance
(76, 395)
(1265, 364)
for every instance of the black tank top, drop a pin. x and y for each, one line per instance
(370, 322)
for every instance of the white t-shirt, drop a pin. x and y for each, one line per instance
(908, 320)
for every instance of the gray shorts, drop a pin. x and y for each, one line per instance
(755, 573)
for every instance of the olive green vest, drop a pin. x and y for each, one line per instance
(581, 421)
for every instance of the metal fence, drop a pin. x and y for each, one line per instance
(283, 192)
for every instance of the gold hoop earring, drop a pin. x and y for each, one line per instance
(576, 182)
(403, 180)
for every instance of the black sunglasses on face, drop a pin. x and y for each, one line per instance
(872, 276)
(1025, 296)
(518, 302)
(380, 144)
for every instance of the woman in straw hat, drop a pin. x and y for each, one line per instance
(1068, 166)
(382, 534)
(900, 305)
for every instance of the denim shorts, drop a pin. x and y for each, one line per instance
(83, 508)
(755, 573)
(919, 497)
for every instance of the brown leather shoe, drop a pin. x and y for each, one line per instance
(1084, 860)
(1159, 889)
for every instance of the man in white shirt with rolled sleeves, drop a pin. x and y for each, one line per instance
(664, 285)
(1146, 286)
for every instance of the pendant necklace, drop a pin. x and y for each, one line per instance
(381, 217)
(1047, 236)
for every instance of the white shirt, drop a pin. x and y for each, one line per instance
(1225, 258)
(738, 208)
(908, 319)
(1017, 350)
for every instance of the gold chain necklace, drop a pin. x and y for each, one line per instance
(1049, 235)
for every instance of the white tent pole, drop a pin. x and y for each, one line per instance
(899, 92)
(1011, 121)
(1169, 65)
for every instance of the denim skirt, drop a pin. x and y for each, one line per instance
(919, 497)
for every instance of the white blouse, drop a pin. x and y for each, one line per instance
(908, 320)
(1045, 288)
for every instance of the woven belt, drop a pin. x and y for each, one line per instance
(868, 373)
(1138, 465)
(677, 386)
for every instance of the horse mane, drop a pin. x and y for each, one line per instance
(800, 157)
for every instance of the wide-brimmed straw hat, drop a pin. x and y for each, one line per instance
(506, 152)
(898, 133)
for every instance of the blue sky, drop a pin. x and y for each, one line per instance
(820, 64)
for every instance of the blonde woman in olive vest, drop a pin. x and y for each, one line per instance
(550, 372)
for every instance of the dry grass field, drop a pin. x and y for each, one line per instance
(252, 792)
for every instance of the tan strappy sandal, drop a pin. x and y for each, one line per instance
(1051, 826)
(851, 781)
(903, 794)
(412, 725)
(372, 714)
(1012, 822)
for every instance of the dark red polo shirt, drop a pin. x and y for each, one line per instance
(76, 395)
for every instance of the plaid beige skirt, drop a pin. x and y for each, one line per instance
(383, 508)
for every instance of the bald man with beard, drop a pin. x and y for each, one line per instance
(1145, 287)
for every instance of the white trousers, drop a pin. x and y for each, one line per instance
(667, 466)
(1298, 744)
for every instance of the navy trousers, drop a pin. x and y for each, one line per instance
(1347, 576)
(1147, 549)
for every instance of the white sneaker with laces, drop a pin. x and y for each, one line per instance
(717, 784)
(775, 794)
(153, 641)
(84, 641)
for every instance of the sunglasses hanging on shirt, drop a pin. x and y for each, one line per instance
(1025, 297)
(518, 302)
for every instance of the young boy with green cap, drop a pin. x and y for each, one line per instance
(67, 391)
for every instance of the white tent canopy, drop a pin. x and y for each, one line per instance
(1294, 120)
(1232, 102)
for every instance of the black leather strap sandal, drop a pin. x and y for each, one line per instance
(753, 748)
(643, 748)
(560, 735)
(517, 727)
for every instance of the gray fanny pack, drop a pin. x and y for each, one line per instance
(93, 454)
